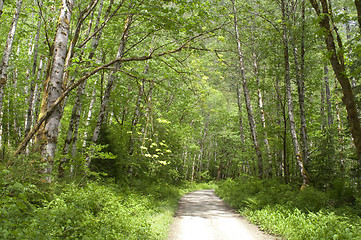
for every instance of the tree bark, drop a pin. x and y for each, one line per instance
(239, 102)
(49, 130)
(337, 61)
(300, 79)
(72, 134)
(262, 113)
(252, 122)
(7, 52)
(296, 146)
(29, 115)
(328, 97)
(358, 8)
(1, 7)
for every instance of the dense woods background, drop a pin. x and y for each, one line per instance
(181, 90)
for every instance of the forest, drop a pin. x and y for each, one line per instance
(110, 110)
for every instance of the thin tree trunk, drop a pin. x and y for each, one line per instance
(111, 81)
(291, 117)
(300, 79)
(239, 102)
(262, 113)
(337, 61)
(7, 52)
(89, 115)
(358, 8)
(251, 120)
(328, 97)
(1, 7)
(137, 110)
(49, 131)
(322, 108)
(193, 167)
(72, 134)
(29, 116)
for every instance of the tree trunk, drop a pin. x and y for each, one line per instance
(111, 83)
(7, 52)
(251, 120)
(358, 8)
(1, 7)
(337, 61)
(49, 130)
(328, 97)
(291, 117)
(300, 79)
(72, 134)
(262, 113)
(29, 115)
(137, 110)
(239, 102)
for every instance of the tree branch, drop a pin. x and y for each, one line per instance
(46, 115)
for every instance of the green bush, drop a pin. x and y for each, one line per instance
(287, 211)
(92, 212)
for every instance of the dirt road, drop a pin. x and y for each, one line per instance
(204, 216)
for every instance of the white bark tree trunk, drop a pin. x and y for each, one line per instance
(240, 117)
(49, 131)
(251, 120)
(296, 146)
(262, 113)
(7, 52)
(30, 113)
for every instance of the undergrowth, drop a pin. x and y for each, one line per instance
(293, 214)
(95, 211)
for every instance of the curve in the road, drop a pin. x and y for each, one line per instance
(204, 216)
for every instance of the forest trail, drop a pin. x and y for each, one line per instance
(204, 216)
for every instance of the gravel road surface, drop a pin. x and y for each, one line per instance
(204, 216)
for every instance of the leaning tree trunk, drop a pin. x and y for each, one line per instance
(296, 146)
(252, 122)
(337, 61)
(7, 52)
(48, 134)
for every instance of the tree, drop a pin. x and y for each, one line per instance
(337, 60)
(48, 134)
(7, 51)
(247, 98)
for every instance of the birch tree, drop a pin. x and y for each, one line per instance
(287, 78)
(48, 134)
(7, 51)
(251, 120)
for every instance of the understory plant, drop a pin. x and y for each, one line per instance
(286, 211)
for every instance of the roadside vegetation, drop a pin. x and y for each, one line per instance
(286, 211)
(95, 209)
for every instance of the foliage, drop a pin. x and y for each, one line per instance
(289, 212)
(94, 211)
